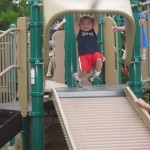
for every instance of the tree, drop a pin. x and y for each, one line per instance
(10, 10)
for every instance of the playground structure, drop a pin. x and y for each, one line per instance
(36, 112)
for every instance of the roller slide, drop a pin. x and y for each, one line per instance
(102, 119)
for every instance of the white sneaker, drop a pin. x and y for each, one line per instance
(93, 77)
(124, 55)
(77, 82)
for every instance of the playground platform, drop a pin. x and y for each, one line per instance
(50, 84)
(10, 114)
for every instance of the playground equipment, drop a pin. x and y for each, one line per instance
(111, 52)
(36, 112)
(101, 7)
(146, 62)
(22, 76)
(59, 74)
(8, 57)
(11, 116)
(83, 6)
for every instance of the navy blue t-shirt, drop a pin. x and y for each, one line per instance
(87, 42)
(52, 30)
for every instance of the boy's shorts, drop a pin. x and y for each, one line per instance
(87, 61)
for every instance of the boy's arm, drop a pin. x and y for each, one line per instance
(76, 24)
(59, 25)
(142, 20)
(143, 17)
(116, 29)
(95, 23)
(146, 12)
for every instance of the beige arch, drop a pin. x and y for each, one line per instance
(121, 7)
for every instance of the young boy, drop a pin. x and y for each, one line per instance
(86, 29)
(59, 22)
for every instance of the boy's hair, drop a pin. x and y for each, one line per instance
(59, 19)
(87, 17)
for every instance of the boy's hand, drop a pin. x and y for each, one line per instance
(64, 20)
(114, 28)
(146, 12)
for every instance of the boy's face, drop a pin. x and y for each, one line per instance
(57, 22)
(86, 24)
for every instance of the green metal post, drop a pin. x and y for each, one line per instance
(12, 25)
(135, 68)
(12, 142)
(36, 60)
(25, 133)
(70, 50)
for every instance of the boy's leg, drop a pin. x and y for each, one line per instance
(49, 70)
(98, 60)
(83, 66)
(99, 64)
(144, 53)
(51, 64)
(78, 78)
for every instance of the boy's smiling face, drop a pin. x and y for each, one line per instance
(86, 24)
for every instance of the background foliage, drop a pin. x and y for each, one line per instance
(10, 10)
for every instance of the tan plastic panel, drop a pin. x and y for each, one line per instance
(55, 8)
(22, 58)
(111, 52)
(59, 74)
